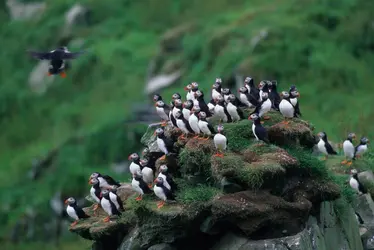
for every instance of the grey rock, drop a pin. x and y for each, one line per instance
(162, 246)
(161, 81)
(366, 176)
(25, 11)
(230, 187)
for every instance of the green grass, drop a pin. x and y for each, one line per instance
(197, 194)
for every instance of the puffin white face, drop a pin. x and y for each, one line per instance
(94, 181)
(225, 91)
(219, 99)
(187, 104)
(220, 128)
(261, 85)
(321, 135)
(352, 136)
(364, 140)
(160, 104)
(285, 94)
(163, 168)
(295, 93)
(94, 175)
(231, 97)
(159, 180)
(188, 87)
(264, 95)
(159, 131)
(253, 117)
(70, 201)
(195, 85)
(247, 80)
(176, 96)
(215, 86)
(196, 109)
(178, 114)
(202, 115)
(133, 157)
(156, 98)
(178, 102)
(218, 80)
(353, 171)
(143, 162)
(243, 90)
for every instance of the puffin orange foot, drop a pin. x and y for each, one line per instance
(63, 74)
(139, 198)
(266, 118)
(49, 74)
(150, 185)
(164, 123)
(262, 122)
(344, 162)
(160, 205)
(74, 223)
(195, 137)
(106, 219)
(349, 163)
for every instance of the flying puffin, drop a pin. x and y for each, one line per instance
(163, 143)
(195, 87)
(349, 149)
(194, 120)
(258, 130)
(362, 147)
(163, 112)
(164, 174)
(57, 59)
(135, 163)
(162, 192)
(139, 186)
(356, 184)
(274, 95)
(253, 92)
(286, 108)
(216, 90)
(108, 206)
(74, 211)
(95, 192)
(189, 95)
(187, 107)
(183, 125)
(151, 157)
(204, 126)
(147, 173)
(105, 180)
(115, 198)
(264, 106)
(245, 98)
(235, 112)
(201, 103)
(220, 110)
(324, 146)
(220, 141)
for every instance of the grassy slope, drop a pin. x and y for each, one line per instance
(324, 47)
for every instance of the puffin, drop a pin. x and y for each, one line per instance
(218, 81)
(108, 206)
(177, 107)
(195, 87)
(264, 106)
(294, 95)
(286, 108)
(74, 211)
(135, 163)
(349, 149)
(216, 90)
(324, 146)
(56, 59)
(259, 132)
(220, 141)
(263, 88)
(204, 126)
(362, 147)
(274, 95)
(245, 98)
(253, 92)
(187, 107)
(151, 157)
(95, 192)
(194, 120)
(235, 112)
(201, 103)
(183, 125)
(227, 92)
(220, 110)
(147, 172)
(163, 143)
(164, 174)
(162, 192)
(163, 112)
(355, 183)
(105, 180)
(115, 198)
(189, 95)
(157, 97)
(139, 186)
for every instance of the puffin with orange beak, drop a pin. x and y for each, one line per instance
(163, 111)
(108, 206)
(74, 211)
(105, 180)
(95, 192)
(163, 143)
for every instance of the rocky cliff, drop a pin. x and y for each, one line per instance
(277, 196)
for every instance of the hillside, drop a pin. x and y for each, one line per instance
(324, 47)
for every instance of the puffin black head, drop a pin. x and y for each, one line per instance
(145, 151)
(157, 97)
(218, 81)
(70, 201)
(226, 91)
(354, 172)
(265, 96)
(202, 115)
(176, 96)
(285, 94)
(188, 104)
(254, 117)
(231, 98)
(220, 128)
(160, 104)
(159, 132)
(163, 168)
(133, 157)
(364, 140)
(261, 85)
(178, 114)
(178, 103)
(195, 86)
(196, 109)
(105, 193)
(188, 87)
(143, 162)
(292, 88)
(94, 181)
(351, 136)
(243, 90)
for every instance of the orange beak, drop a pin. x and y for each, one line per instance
(101, 195)
(155, 104)
(66, 201)
(185, 88)
(155, 181)
(249, 118)
(129, 158)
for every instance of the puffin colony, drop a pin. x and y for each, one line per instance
(193, 118)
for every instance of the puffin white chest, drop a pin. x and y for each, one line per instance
(203, 125)
(354, 184)
(265, 107)
(220, 141)
(188, 95)
(193, 121)
(211, 106)
(147, 175)
(248, 87)
(103, 182)
(113, 198)
(93, 195)
(166, 183)
(136, 186)
(161, 145)
(159, 192)
(254, 131)
(105, 204)
(161, 113)
(215, 94)
(71, 212)
(349, 149)
(186, 113)
(261, 95)
(226, 98)
(286, 108)
(174, 111)
(361, 149)
(244, 100)
(196, 102)
(134, 168)
(321, 147)
(182, 126)
(293, 101)
(219, 111)
(232, 110)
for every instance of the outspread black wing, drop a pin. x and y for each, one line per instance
(111, 181)
(40, 55)
(329, 149)
(72, 55)
(81, 214)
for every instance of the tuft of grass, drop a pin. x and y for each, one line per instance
(346, 191)
(194, 161)
(239, 135)
(198, 193)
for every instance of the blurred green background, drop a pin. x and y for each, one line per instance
(325, 47)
